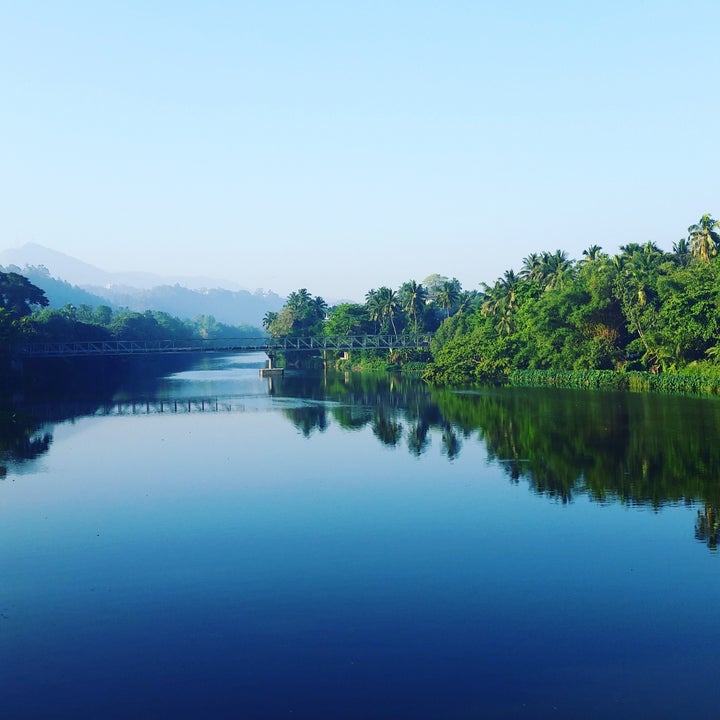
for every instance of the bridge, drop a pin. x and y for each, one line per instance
(270, 346)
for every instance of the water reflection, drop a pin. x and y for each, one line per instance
(634, 449)
(647, 450)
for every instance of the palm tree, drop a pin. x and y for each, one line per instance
(388, 305)
(594, 252)
(704, 238)
(501, 300)
(320, 307)
(502, 295)
(532, 265)
(468, 300)
(682, 251)
(556, 269)
(448, 295)
(413, 297)
(298, 299)
(268, 319)
(372, 303)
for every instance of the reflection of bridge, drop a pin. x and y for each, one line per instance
(270, 346)
(181, 406)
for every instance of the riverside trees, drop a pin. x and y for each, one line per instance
(643, 309)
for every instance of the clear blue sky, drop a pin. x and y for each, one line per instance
(341, 146)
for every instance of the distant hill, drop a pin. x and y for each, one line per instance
(238, 307)
(83, 274)
(58, 292)
(68, 280)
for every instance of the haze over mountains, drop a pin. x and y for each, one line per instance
(66, 279)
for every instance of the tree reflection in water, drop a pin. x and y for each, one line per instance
(637, 449)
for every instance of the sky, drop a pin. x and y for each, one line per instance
(342, 146)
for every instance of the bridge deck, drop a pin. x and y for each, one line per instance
(270, 346)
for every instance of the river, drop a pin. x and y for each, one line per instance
(220, 545)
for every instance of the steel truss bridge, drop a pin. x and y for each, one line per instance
(270, 346)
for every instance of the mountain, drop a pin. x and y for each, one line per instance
(233, 307)
(66, 279)
(83, 274)
(58, 292)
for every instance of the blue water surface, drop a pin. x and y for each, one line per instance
(229, 564)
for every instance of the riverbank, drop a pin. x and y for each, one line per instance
(632, 381)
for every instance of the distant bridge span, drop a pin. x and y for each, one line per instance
(270, 346)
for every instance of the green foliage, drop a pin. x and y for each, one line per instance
(686, 383)
(87, 323)
(348, 319)
(704, 238)
(18, 295)
(383, 308)
(643, 310)
(414, 367)
(302, 316)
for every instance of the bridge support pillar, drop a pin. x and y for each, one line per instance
(269, 371)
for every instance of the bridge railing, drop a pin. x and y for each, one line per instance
(348, 342)
(74, 348)
(138, 347)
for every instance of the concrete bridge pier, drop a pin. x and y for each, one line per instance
(270, 371)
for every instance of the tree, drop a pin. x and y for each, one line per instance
(413, 296)
(18, 295)
(302, 315)
(268, 319)
(532, 267)
(347, 319)
(555, 269)
(382, 305)
(704, 238)
(593, 253)
(682, 251)
(501, 300)
(448, 295)
(102, 315)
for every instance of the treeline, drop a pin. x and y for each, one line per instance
(26, 317)
(414, 308)
(101, 322)
(643, 309)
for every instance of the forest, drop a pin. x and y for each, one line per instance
(643, 310)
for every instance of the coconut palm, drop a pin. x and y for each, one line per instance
(382, 305)
(268, 319)
(388, 303)
(704, 238)
(320, 308)
(556, 269)
(682, 251)
(372, 304)
(593, 253)
(532, 267)
(413, 297)
(502, 295)
(447, 295)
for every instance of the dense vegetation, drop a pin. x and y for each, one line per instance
(644, 318)
(26, 317)
(642, 310)
(228, 306)
(555, 321)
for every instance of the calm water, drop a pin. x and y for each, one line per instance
(225, 546)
